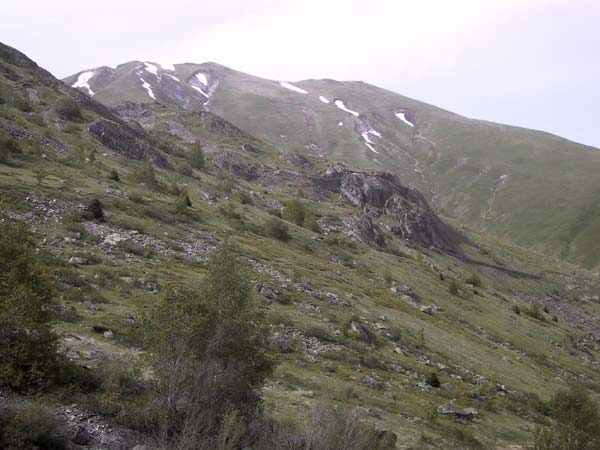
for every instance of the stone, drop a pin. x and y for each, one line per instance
(77, 261)
(429, 309)
(82, 436)
(463, 414)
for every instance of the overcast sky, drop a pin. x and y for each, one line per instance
(533, 63)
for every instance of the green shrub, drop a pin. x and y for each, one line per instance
(31, 427)
(184, 169)
(94, 209)
(245, 198)
(576, 426)
(197, 159)
(229, 211)
(454, 287)
(29, 355)
(144, 174)
(433, 380)
(8, 145)
(114, 175)
(67, 108)
(275, 228)
(474, 280)
(535, 312)
(22, 104)
(296, 212)
(517, 310)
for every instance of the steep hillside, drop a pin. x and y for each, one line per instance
(366, 296)
(534, 188)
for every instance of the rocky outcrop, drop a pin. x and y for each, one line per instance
(382, 193)
(127, 142)
(364, 230)
(238, 165)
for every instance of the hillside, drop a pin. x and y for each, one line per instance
(363, 302)
(533, 188)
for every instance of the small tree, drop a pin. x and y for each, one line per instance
(474, 280)
(197, 159)
(95, 209)
(208, 354)
(277, 229)
(294, 212)
(114, 175)
(453, 288)
(29, 356)
(433, 380)
(68, 109)
(576, 422)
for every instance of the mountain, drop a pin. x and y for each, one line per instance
(533, 188)
(366, 297)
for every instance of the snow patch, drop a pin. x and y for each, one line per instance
(340, 124)
(402, 116)
(168, 66)
(200, 90)
(323, 99)
(375, 133)
(365, 136)
(292, 87)
(173, 77)
(148, 88)
(340, 104)
(151, 68)
(202, 78)
(83, 80)
(371, 147)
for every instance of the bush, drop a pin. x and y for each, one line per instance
(94, 209)
(68, 109)
(329, 428)
(31, 427)
(517, 310)
(114, 175)
(474, 280)
(144, 174)
(433, 380)
(22, 104)
(453, 288)
(294, 212)
(29, 355)
(535, 312)
(275, 228)
(218, 340)
(229, 211)
(244, 198)
(184, 169)
(576, 424)
(8, 145)
(197, 159)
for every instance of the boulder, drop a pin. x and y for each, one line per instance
(82, 436)
(77, 261)
(463, 414)
(363, 331)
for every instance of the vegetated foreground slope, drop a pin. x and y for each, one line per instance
(367, 293)
(537, 189)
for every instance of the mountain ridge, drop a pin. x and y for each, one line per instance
(470, 170)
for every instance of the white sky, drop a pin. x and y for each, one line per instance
(534, 63)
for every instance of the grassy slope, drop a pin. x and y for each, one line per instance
(479, 333)
(548, 202)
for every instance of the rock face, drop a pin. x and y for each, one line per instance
(126, 142)
(382, 193)
(363, 230)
